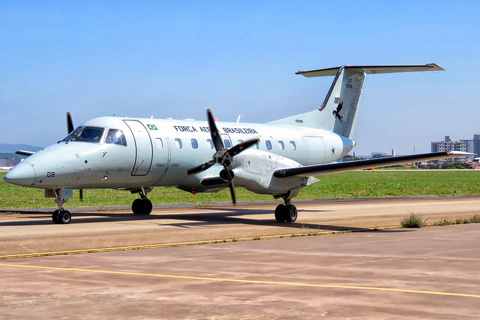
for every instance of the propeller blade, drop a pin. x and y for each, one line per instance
(200, 168)
(70, 126)
(217, 140)
(241, 147)
(231, 186)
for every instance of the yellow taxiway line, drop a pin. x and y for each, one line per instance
(245, 281)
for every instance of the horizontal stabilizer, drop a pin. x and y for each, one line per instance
(372, 69)
(338, 167)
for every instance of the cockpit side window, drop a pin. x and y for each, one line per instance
(116, 136)
(86, 134)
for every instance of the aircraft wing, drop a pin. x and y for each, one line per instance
(338, 167)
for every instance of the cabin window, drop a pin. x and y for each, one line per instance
(293, 145)
(226, 143)
(281, 145)
(116, 136)
(86, 134)
(159, 143)
(268, 144)
(178, 143)
(194, 144)
(210, 143)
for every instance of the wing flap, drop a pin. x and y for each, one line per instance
(338, 167)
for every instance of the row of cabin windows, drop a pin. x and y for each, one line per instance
(226, 143)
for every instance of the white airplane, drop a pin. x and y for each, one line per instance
(277, 158)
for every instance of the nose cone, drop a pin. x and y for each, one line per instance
(22, 174)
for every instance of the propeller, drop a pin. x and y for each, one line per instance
(70, 129)
(70, 126)
(222, 156)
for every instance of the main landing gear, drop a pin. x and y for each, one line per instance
(286, 212)
(142, 206)
(61, 216)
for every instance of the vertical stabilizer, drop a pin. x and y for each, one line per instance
(338, 112)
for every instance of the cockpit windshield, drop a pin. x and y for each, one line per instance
(85, 134)
(115, 136)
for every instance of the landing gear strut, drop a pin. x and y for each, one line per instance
(286, 212)
(61, 216)
(142, 206)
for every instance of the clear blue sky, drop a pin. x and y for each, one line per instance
(178, 58)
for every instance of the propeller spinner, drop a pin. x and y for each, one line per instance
(222, 156)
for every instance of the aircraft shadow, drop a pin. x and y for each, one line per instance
(220, 217)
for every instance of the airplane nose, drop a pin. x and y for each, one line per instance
(22, 174)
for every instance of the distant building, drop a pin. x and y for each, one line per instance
(9, 163)
(449, 145)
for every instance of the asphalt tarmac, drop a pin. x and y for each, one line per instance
(428, 273)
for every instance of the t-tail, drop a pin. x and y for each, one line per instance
(338, 113)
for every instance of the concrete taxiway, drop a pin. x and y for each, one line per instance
(429, 273)
(35, 232)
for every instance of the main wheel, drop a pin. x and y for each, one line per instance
(137, 207)
(147, 206)
(142, 206)
(281, 213)
(55, 216)
(64, 217)
(291, 213)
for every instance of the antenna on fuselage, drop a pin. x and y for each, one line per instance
(239, 116)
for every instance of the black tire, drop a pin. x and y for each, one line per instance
(55, 216)
(64, 217)
(281, 213)
(137, 206)
(291, 213)
(146, 207)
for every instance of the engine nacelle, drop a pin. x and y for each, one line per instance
(253, 170)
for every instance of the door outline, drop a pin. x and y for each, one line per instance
(143, 148)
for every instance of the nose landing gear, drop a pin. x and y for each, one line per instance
(61, 216)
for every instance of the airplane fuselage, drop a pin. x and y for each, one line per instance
(157, 152)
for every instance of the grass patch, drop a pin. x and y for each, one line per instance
(475, 219)
(310, 232)
(414, 220)
(444, 222)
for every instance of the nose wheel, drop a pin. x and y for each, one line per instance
(61, 216)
